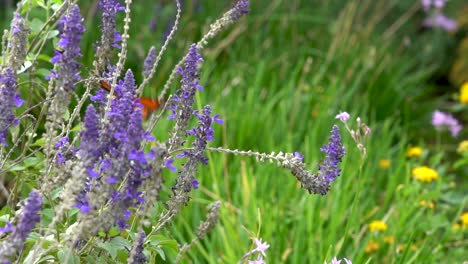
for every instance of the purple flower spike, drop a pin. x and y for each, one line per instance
(109, 10)
(328, 169)
(242, 7)
(149, 61)
(136, 255)
(8, 100)
(27, 220)
(71, 30)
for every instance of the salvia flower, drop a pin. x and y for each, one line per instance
(8, 100)
(109, 10)
(182, 104)
(334, 153)
(441, 120)
(28, 218)
(110, 36)
(242, 7)
(136, 255)
(149, 61)
(18, 42)
(71, 30)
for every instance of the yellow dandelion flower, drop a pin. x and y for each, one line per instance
(414, 152)
(377, 225)
(464, 220)
(455, 227)
(384, 164)
(413, 248)
(428, 204)
(372, 246)
(462, 147)
(389, 239)
(464, 93)
(424, 174)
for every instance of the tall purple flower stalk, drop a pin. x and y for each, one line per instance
(8, 100)
(182, 104)
(113, 156)
(149, 61)
(28, 218)
(328, 170)
(71, 30)
(110, 35)
(136, 255)
(109, 10)
(335, 151)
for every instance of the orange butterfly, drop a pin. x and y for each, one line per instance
(149, 104)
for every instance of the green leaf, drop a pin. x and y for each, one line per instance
(36, 25)
(114, 245)
(65, 255)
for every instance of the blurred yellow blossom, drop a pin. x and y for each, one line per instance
(428, 204)
(402, 247)
(414, 152)
(384, 164)
(389, 239)
(464, 220)
(462, 147)
(424, 174)
(377, 225)
(372, 246)
(455, 227)
(464, 93)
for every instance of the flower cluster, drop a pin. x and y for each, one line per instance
(136, 255)
(436, 19)
(71, 30)
(441, 120)
(112, 155)
(328, 169)
(18, 42)
(110, 36)
(424, 174)
(28, 218)
(241, 7)
(8, 100)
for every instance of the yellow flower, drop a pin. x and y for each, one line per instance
(389, 239)
(372, 246)
(464, 220)
(428, 204)
(462, 147)
(464, 93)
(455, 227)
(384, 164)
(414, 152)
(424, 174)
(377, 225)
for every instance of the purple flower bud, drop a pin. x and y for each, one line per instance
(71, 30)
(8, 100)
